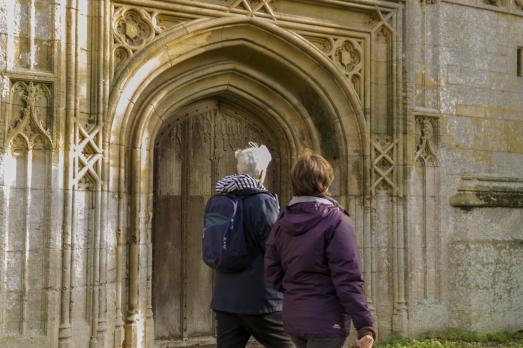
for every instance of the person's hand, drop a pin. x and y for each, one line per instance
(365, 342)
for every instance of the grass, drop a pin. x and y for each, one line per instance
(458, 339)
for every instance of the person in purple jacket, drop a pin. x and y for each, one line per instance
(312, 257)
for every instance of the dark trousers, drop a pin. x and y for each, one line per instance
(318, 342)
(234, 330)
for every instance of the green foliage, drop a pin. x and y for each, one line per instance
(458, 339)
(464, 336)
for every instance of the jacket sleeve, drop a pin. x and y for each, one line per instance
(272, 263)
(263, 212)
(344, 264)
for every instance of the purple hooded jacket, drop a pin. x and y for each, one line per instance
(312, 257)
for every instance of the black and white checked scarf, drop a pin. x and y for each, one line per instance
(238, 182)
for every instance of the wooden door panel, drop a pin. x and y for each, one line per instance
(198, 156)
(199, 276)
(167, 239)
(168, 266)
(190, 156)
(199, 319)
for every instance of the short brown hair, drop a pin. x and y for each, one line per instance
(311, 175)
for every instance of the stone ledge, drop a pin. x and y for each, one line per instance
(488, 192)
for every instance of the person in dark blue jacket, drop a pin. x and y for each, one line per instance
(245, 304)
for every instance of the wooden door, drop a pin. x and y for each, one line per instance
(191, 154)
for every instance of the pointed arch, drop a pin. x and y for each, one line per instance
(291, 86)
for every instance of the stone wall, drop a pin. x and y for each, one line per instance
(482, 106)
(465, 75)
(31, 182)
(416, 103)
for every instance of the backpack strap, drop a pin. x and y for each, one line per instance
(242, 194)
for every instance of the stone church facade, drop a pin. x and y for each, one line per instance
(118, 116)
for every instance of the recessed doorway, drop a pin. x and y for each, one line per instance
(192, 152)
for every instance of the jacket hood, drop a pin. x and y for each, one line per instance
(303, 213)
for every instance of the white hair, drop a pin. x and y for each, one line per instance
(253, 160)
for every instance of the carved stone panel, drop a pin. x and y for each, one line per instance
(253, 7)
(87, 154)
(426, 234)
(24, 275)
(384, 148)
(31, 114)
(347, 54)
(325, 44)
(427, 134)
(133, 28)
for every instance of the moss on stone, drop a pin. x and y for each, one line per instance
(484, 196)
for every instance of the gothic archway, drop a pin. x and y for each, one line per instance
(287, 82)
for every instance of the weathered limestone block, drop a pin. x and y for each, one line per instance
(484, 191)
(490, 267)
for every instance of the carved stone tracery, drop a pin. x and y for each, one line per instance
(384, 148)
(87, 154)
(253, 7)
(347, 55)
(426, 140)
(31, 114)
(133, 32)
(133, 28)
(325, 44)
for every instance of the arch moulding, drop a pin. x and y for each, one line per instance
(306, 100)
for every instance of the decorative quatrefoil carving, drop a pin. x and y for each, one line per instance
(134, 28)
(346, 56)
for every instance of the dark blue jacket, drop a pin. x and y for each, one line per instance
(247, 292)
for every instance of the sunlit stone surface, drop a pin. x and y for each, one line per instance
(116, 118)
